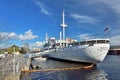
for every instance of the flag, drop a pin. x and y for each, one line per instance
(106, 29)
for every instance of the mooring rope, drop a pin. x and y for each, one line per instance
(60, 69)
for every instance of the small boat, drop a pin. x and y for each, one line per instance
(40, 58)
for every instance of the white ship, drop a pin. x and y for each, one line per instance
(89, 51)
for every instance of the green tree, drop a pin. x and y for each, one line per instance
(12, 48)
(1, 51)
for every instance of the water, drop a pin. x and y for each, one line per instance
(109, 69)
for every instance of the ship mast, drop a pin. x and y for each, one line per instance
(63, 26)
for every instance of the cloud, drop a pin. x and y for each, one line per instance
(84, 36)
(115, 40)
(42, 7)
(12, 35)
(84, 19)
(115, 5)
(3, 36)
(28, 35)
(115, 31)
(7, 36)
(36, 45)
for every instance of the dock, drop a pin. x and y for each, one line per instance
(12, 65)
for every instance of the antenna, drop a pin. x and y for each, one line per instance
(46, 37)
(64, 26)
(60, 39)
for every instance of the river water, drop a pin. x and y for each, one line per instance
(109, 69)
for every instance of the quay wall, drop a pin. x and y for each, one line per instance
(12, 65)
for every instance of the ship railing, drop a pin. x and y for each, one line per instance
(90, 37)
(90, 40)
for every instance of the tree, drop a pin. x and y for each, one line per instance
(23, 50)
(1, 51)
(11, 49)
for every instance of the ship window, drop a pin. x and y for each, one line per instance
(82, 43)
(102, 41)
(107, 41)
(91, 42)
(76, 43)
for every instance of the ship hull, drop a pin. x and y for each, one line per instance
(82, 53)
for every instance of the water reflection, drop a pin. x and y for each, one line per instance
(96, 74)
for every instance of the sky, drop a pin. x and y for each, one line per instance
(28, 21)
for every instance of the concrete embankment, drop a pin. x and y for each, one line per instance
(12, 65)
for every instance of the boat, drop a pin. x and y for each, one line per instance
(91, 50)
(40, 58)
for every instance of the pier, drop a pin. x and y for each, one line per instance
(12, 65)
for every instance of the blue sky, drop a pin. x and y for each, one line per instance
(29, 20)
